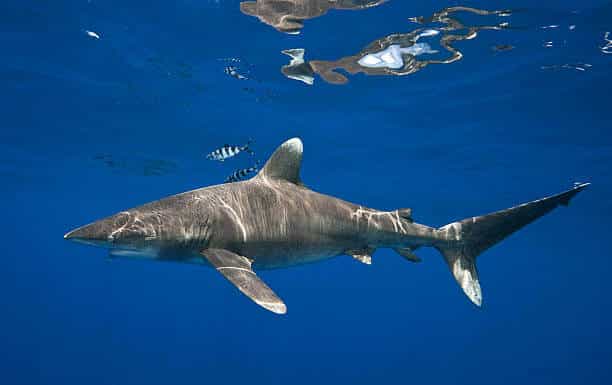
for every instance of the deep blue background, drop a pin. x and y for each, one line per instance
(450, 141)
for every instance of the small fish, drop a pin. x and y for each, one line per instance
(228, 151)
(502, 47)
(550, 26)
(239, 175)
(607, 48)
(92, 34)
(578, 66)
(230, 59)
(233, 72)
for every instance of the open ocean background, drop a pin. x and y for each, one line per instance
(91, 126)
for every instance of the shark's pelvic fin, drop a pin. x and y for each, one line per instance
(285, 163)
(237, 269)
(363, 256)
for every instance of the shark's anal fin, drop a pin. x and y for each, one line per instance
(363, 255)
(408, 254)
(237, 269)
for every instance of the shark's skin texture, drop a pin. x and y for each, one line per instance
(274, 221)
(288, 15)
(406, 61)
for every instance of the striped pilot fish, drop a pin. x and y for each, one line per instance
(228, 151)
(239, 175)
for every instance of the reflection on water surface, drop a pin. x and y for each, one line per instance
(288, 15)
(399, 53)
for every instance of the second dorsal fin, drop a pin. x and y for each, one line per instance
(285, 163)
(405, 213)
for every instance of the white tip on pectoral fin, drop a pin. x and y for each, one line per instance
(274, 307)
(237, 269)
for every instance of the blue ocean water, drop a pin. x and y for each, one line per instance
(93, 125)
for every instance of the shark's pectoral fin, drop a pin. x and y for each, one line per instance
(237, 269)
(363, 256)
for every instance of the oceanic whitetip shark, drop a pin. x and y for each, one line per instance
(273, 220)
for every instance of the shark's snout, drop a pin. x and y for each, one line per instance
(96, 234)
(99, 233)
(89, 232)
(119, 230)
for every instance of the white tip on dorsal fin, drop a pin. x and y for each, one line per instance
(285, 163)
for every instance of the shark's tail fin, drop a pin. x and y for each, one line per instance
(467, 239)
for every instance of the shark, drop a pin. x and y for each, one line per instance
(274, 221)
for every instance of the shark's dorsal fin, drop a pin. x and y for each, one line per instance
(285, 163)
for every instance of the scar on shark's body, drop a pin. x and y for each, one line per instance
(273, 221)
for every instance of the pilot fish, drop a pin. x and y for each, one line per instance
(239, 175)
(228, 151)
